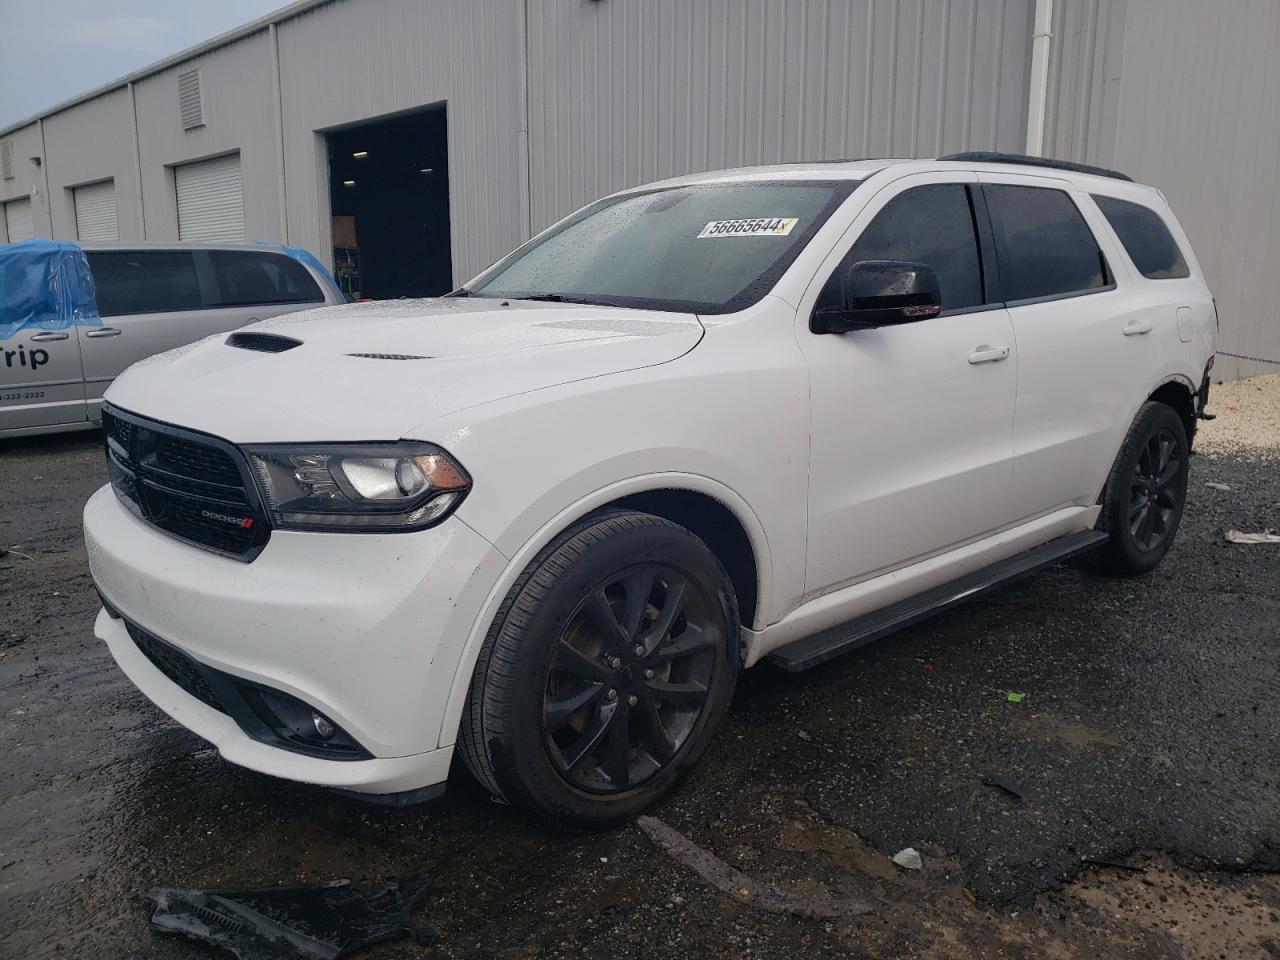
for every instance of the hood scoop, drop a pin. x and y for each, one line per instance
(389, 356)
(262, 342)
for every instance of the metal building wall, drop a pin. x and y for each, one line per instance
(1084, 80)
(90, 142)
(1199, 117)
(239, 115)
(626, 91)
(350, 61)
(27, 177)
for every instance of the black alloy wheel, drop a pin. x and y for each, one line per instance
(629, 678)
(1155, 496)
(605, 673)
(1146, 491)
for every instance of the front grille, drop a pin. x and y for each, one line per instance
(187, 484)
(174, 664)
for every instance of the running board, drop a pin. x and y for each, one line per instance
(830, 643)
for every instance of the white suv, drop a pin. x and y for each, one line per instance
(771, 412)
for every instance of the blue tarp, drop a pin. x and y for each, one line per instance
(306, 256)
(45, 285)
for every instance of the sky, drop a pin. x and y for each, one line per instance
(52, 50)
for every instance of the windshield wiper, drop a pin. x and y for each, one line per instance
(565, 298)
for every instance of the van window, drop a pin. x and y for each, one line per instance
(1043, 245)
(1145, 237)
(155, 281)
(249, 277)
(932, 225)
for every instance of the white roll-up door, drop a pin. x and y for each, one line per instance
(17, 216)
(96, 211)
(210, 203)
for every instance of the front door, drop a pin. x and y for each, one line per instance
(41, 381)
(911, 425)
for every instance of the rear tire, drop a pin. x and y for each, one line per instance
(609, 666)
(1143, 500)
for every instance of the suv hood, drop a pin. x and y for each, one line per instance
(451, 354)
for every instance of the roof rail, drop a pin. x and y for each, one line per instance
(990, 156)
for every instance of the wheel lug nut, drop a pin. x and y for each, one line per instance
(615, 662)
(611, 695)
(632, 700)
(648, 674)
(639, 650)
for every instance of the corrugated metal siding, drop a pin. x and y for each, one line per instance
(95, 207)
(1197, 118)
(352, 61)
(1084, 72)
(629, 91)
(210, 200)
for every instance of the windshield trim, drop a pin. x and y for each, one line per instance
(841, 190)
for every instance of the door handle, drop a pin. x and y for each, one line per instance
(49, 335)
(987, 353)
(103, 332)
(1135, 328)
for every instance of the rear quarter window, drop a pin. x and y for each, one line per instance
(249, 278)
(156, 281)
(1145, 238)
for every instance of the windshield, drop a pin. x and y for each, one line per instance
(705, 248)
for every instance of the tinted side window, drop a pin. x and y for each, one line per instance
(1044, 246)
(932, 225)
(159, 281)
(247, 277)
(1145, 237)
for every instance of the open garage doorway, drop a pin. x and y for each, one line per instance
(389, 196)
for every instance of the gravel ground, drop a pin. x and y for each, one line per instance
(1146, 741)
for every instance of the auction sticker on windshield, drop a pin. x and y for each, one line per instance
(759, 227)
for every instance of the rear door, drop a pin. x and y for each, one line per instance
(1077, 365)
(154, 300)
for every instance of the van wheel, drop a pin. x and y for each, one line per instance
(1145, 493)
(606, 672)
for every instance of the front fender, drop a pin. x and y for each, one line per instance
(521, 556)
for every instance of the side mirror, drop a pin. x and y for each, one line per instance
(877, 293)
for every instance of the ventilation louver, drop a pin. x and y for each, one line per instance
(6, 159)
(388, 356)
(190, 101)
(262, 342)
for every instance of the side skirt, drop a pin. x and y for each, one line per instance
(830, 643)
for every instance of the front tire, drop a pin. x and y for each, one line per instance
(606, 672)
(1143, 500)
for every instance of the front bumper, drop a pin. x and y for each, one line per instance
(365, 628)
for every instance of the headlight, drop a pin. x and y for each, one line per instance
(358, 487)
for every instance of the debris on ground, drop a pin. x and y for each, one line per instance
(1004, 783)
(1266, 536)
(12, 552)
(908, 858)
(321, 921)
(739, 886)
(1218, 486)
(1016, 697)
